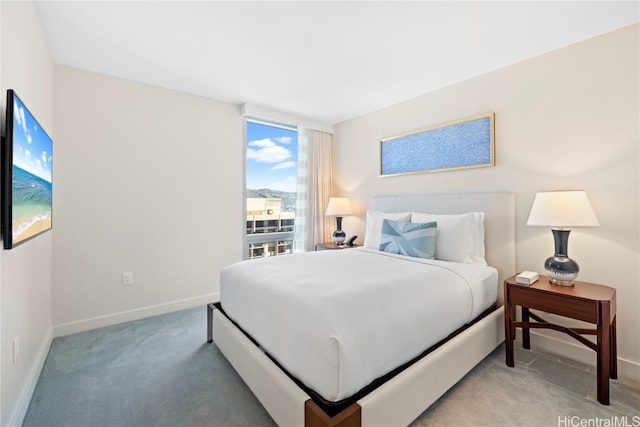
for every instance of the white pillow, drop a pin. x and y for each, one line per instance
(373, 228)
(456, 236)
(477, 232)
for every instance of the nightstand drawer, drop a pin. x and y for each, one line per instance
(562, 305)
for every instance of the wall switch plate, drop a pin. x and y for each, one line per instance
(127, 278)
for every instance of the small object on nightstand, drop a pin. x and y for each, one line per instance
(527, 277)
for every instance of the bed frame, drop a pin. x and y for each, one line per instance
(404, 397)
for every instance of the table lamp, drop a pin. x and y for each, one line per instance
(338, 206)
(559, 210)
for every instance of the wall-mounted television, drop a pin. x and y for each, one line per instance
(26, 175)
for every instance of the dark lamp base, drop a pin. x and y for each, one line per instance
(339, 235)
(561, 269)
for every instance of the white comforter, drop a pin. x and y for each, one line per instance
(337, 320)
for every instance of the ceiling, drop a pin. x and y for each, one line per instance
(328, 61)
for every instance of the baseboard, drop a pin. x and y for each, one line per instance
(19, 412)
(127, 316)
(626, 368)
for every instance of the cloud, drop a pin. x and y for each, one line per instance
(262, 143)
(22, 122)
(284, 139)
(267, 151)
(285, 165)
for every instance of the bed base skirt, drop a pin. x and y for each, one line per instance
(397, 402)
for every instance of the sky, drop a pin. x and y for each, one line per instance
(32, 147)
(272, 155)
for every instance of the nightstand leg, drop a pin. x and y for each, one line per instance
(614, 350)
(604, 353)
(509, 331)
(526, 338)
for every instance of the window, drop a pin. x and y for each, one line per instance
(271, 178)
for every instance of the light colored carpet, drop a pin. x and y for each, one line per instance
(541, 390)
(160, 372)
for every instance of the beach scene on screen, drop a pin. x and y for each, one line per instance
(31, 186)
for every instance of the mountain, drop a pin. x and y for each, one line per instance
(288, 198)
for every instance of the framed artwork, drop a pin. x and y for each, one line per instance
(462, 144)
(26, 175)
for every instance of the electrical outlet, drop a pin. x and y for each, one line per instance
(127, 278)
(16, 349)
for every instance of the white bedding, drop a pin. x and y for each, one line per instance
(337, 320)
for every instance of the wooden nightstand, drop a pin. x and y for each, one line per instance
(584, 301)
(332, 246)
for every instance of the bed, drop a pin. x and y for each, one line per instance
(307, 356)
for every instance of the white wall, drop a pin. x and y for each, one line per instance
(25, 272)
(149, 181)
(565, 120)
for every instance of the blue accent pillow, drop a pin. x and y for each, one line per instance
(409, 238)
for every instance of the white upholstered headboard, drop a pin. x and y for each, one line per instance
(499, 220)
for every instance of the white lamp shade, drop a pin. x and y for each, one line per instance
(562, 209)
(338, 206)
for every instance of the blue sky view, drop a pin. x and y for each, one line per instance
(272, 156)
(31, 145)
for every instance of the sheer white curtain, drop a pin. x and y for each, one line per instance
(315, 185)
